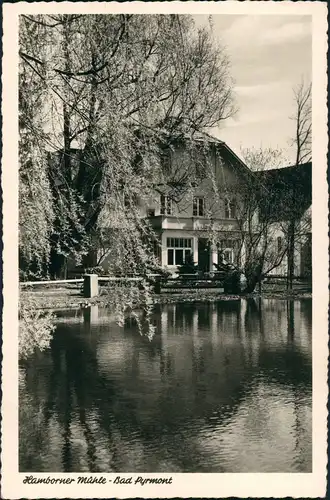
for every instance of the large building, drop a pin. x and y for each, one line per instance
(200, 215)
(212, 208)
(225, 208)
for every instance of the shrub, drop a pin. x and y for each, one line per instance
(95, 270)
(232, 282)
(188, 267)
(36, 327)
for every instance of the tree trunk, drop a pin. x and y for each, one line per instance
(253, 274)
(291, 238)
(252, 282)
(290, 313)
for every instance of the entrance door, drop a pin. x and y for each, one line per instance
(204, 255)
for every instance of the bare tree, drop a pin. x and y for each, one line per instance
(258, 249)
(287, 198)
(260, 159)
(302, 140)
(302, 96)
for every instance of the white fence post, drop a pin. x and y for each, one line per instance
(91, 286)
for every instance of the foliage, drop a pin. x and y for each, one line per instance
(99, 270)
(188, 267)
(36, 214)
(125, 298)
(115, 92)
(35, 327)
(231, 277)
(118, 87)
(232, 282)
(259, 159)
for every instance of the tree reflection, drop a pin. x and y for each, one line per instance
(290, 313)
(114, 395)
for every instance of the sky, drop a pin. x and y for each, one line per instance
(269, 56)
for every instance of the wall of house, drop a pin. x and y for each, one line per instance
(206, 176)
(306, 257)
(302, 254)
(306, 244)
(211, 178)
(274, 249)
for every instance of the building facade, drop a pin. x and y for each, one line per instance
(211, 206)
(202, 220)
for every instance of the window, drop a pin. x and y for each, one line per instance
(178, 250)
(165, 205)
(228, 255)
(198, 207)
(230, 208)
(178, 257)
(170, 257)
(228, 252)
(279, 243)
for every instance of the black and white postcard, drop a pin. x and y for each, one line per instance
(165, 326)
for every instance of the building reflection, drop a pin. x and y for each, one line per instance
(107, 396)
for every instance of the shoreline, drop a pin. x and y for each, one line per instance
(63, 299)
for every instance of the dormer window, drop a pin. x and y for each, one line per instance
(198, 207)
(230, 208)
(165, 205)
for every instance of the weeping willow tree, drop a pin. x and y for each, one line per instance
(101, 98)
(117, 89)
(36, 210)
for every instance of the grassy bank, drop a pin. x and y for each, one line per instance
(66, 297)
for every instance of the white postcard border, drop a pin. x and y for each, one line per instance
(183, 485)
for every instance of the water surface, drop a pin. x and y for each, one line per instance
(224, 387)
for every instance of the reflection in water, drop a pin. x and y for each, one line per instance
(222, 387)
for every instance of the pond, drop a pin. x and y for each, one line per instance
(221, 387)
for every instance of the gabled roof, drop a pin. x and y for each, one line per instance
(226, 153)
(295, 175)
(229, 156)
(205, 137)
